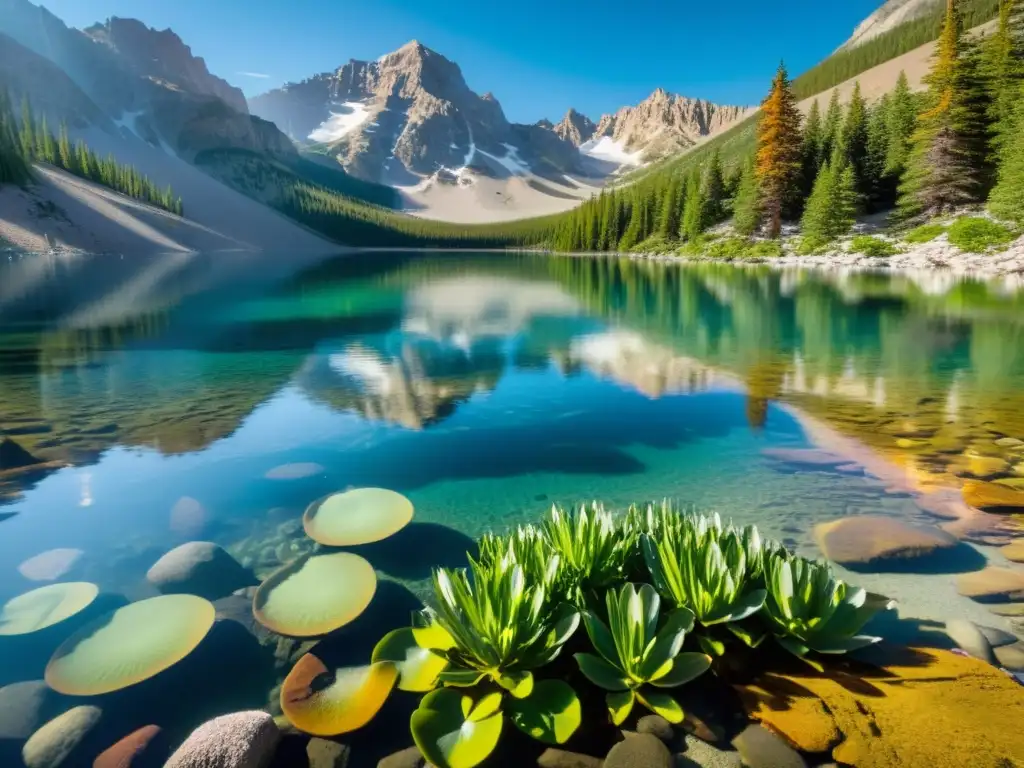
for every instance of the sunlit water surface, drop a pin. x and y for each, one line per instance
(213, 397)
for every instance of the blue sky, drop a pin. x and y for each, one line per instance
(538, 57)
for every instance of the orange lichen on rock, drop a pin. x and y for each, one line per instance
(921, 707)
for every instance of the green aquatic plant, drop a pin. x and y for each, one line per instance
(809, 609)
(593, 550)
(710, 570)
(528, 547)
(489, 629)
(635, 659)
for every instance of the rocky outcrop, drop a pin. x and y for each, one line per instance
(665, 123)
(240, 740)
(575, 128)
(892, 14)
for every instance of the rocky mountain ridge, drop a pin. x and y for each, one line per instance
(890, 15)
(144, 81)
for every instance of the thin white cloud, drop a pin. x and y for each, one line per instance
(260, 75)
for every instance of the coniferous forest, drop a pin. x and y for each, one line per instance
(958, 143)
(27, 140)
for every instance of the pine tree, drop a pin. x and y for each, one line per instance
(831, 207)
(695, 213)
(1007, 197)
(714, 192)
(746, 205)
(1003, 69)
(900, 124)
(853, 140)
(28, 130)
(65, 154)
(939, 174)
(778, 152)
(668, 224)
(832, 128)
(814, 137)
(14, 167)
(881, 192)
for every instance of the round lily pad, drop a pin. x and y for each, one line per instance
(326, 702)
(315, 595)
(418, 667)
(454, 731)
(360, 516)
(129, 645)
(46, 606)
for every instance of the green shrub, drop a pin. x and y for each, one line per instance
(812, 245)
(872, 246)
(764, 248)
(923, 234)
(974, 234)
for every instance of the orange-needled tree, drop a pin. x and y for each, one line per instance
(779, 163)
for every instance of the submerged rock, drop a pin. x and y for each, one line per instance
(971, 639)
(807, 457)
(656, 725)
(760, 748)
(199, 568)
(188, 517)
(1011, 656)
(992, 497)
(992, 584)
(1013, 551)
(24, 707)
(903, 711)
(700, 754)
(239, 740)
(65, 741)
(873, 541)
(50, 565)
(139, 749)
(640, 751)
(326, 754)
(294, 471)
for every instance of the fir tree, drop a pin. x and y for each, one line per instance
(714, 192)
(28, 127)
(831, 129)
(881, 189)
(778, 152)
(1007, 197)
(65, 154)
(939, 174)
(14, 167)
(814, 137)
(668, 224)
(1003, 69)
(832, 205)
(900, 124)
(746, 204)
(854, 141)
(695, 213)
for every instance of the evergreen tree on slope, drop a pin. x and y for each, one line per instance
(778, 161)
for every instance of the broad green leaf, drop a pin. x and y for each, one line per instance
(844, 644)
(550, 714)
(668, 643)
(661, 703)
(519, 683)
(460, 677)
(600, 672)
(711, 646)
(747, 606)
(685, 667)
(620, 704)
(750, 637)
(486, 706)
(418, 668)
(566, 622)
(600, 637)
(446, 737)
(434, 637)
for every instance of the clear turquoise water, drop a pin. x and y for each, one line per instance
(485, 387)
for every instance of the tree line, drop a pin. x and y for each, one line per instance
(29, 140)
(959, 142)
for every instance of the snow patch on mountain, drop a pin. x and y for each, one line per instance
(341, 123)
(607, 148)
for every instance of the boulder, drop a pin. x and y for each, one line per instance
(656, 725)
(199, 568)
(901, 710)
(140, 749)
(640, 751)
(326, 754)
(969, 637)
(1011, 657)
(239, 740)
(66, 741)
(700, 754)
(560, 758)
(411, 757)
(992, 497)
(874, 541)
(760, 748)
(26, 706)
(992, 584)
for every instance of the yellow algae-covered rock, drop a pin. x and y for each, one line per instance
(874, 540)
(992, 497)
(924, 707)
(991, 584)
(1013, 551)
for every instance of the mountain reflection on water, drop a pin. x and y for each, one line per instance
(141, 393)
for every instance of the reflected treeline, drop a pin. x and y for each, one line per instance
(905, 362)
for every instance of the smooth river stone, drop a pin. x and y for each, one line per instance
(239, 740)
(991, 497)
(51, 565)
(992, 584)
(806, 457)
(294, 471)
(188, 517)
(873, 540)
(969, 637)
(1013, 551)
